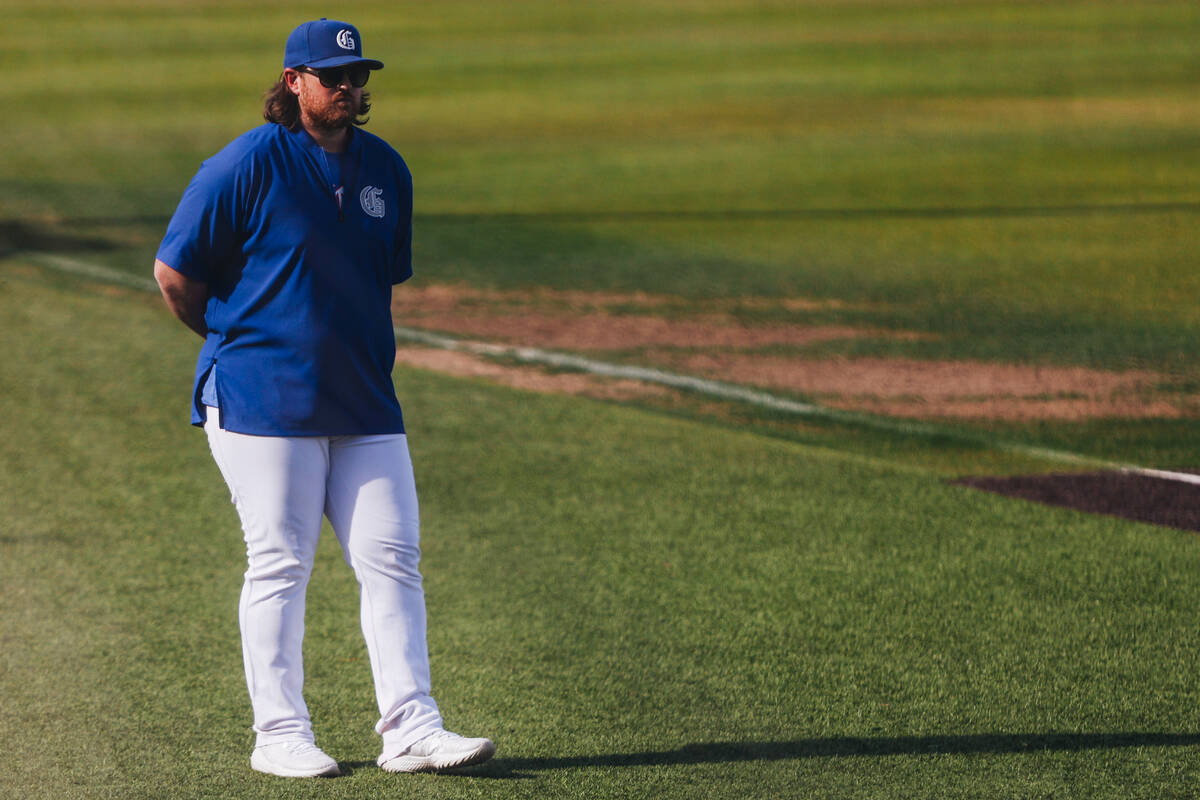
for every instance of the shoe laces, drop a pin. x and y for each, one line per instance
(430, 744)
(301, 748)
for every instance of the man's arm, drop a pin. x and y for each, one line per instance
(186, 297)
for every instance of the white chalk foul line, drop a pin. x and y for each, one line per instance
(85, 269)
(704, 386)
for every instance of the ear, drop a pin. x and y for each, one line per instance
(292, 78)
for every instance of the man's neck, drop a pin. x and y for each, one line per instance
(333, 140)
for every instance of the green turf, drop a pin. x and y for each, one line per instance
(632, 605)
(663, 601)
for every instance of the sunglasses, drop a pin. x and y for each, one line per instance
(334, 76)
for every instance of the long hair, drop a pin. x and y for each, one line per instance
(283, 108)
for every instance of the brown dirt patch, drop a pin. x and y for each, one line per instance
(900, 377)
(709, 339)
(467, 365)
(1137, 497)
(589, 321)
(953, 389)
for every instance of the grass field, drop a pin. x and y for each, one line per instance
(634, 599)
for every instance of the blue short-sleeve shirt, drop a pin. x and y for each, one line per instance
(300, 278)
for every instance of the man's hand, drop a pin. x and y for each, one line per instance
(187, 298)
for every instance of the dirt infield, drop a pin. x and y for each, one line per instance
(1130, 496)
(725, 340)
(938, 389)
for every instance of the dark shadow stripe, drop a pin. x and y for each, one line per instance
(746, 214)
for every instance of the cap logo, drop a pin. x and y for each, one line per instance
(372, 201)
(345, 39)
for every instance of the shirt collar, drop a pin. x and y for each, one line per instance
(305, 140)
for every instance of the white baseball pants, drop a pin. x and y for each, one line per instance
(282, 486)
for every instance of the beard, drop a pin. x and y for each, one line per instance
(331, 112)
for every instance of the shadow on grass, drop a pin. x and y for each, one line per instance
(838, 747)
(19, 235)
(726, 214)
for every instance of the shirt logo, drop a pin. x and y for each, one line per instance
(371, 200)
(345, 39)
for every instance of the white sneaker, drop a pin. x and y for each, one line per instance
(438, 751)
(294, 759)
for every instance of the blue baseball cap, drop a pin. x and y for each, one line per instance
(325, 43)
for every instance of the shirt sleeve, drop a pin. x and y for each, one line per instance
(402, 262)
(202, 234)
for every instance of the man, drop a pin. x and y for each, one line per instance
(282, 255)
